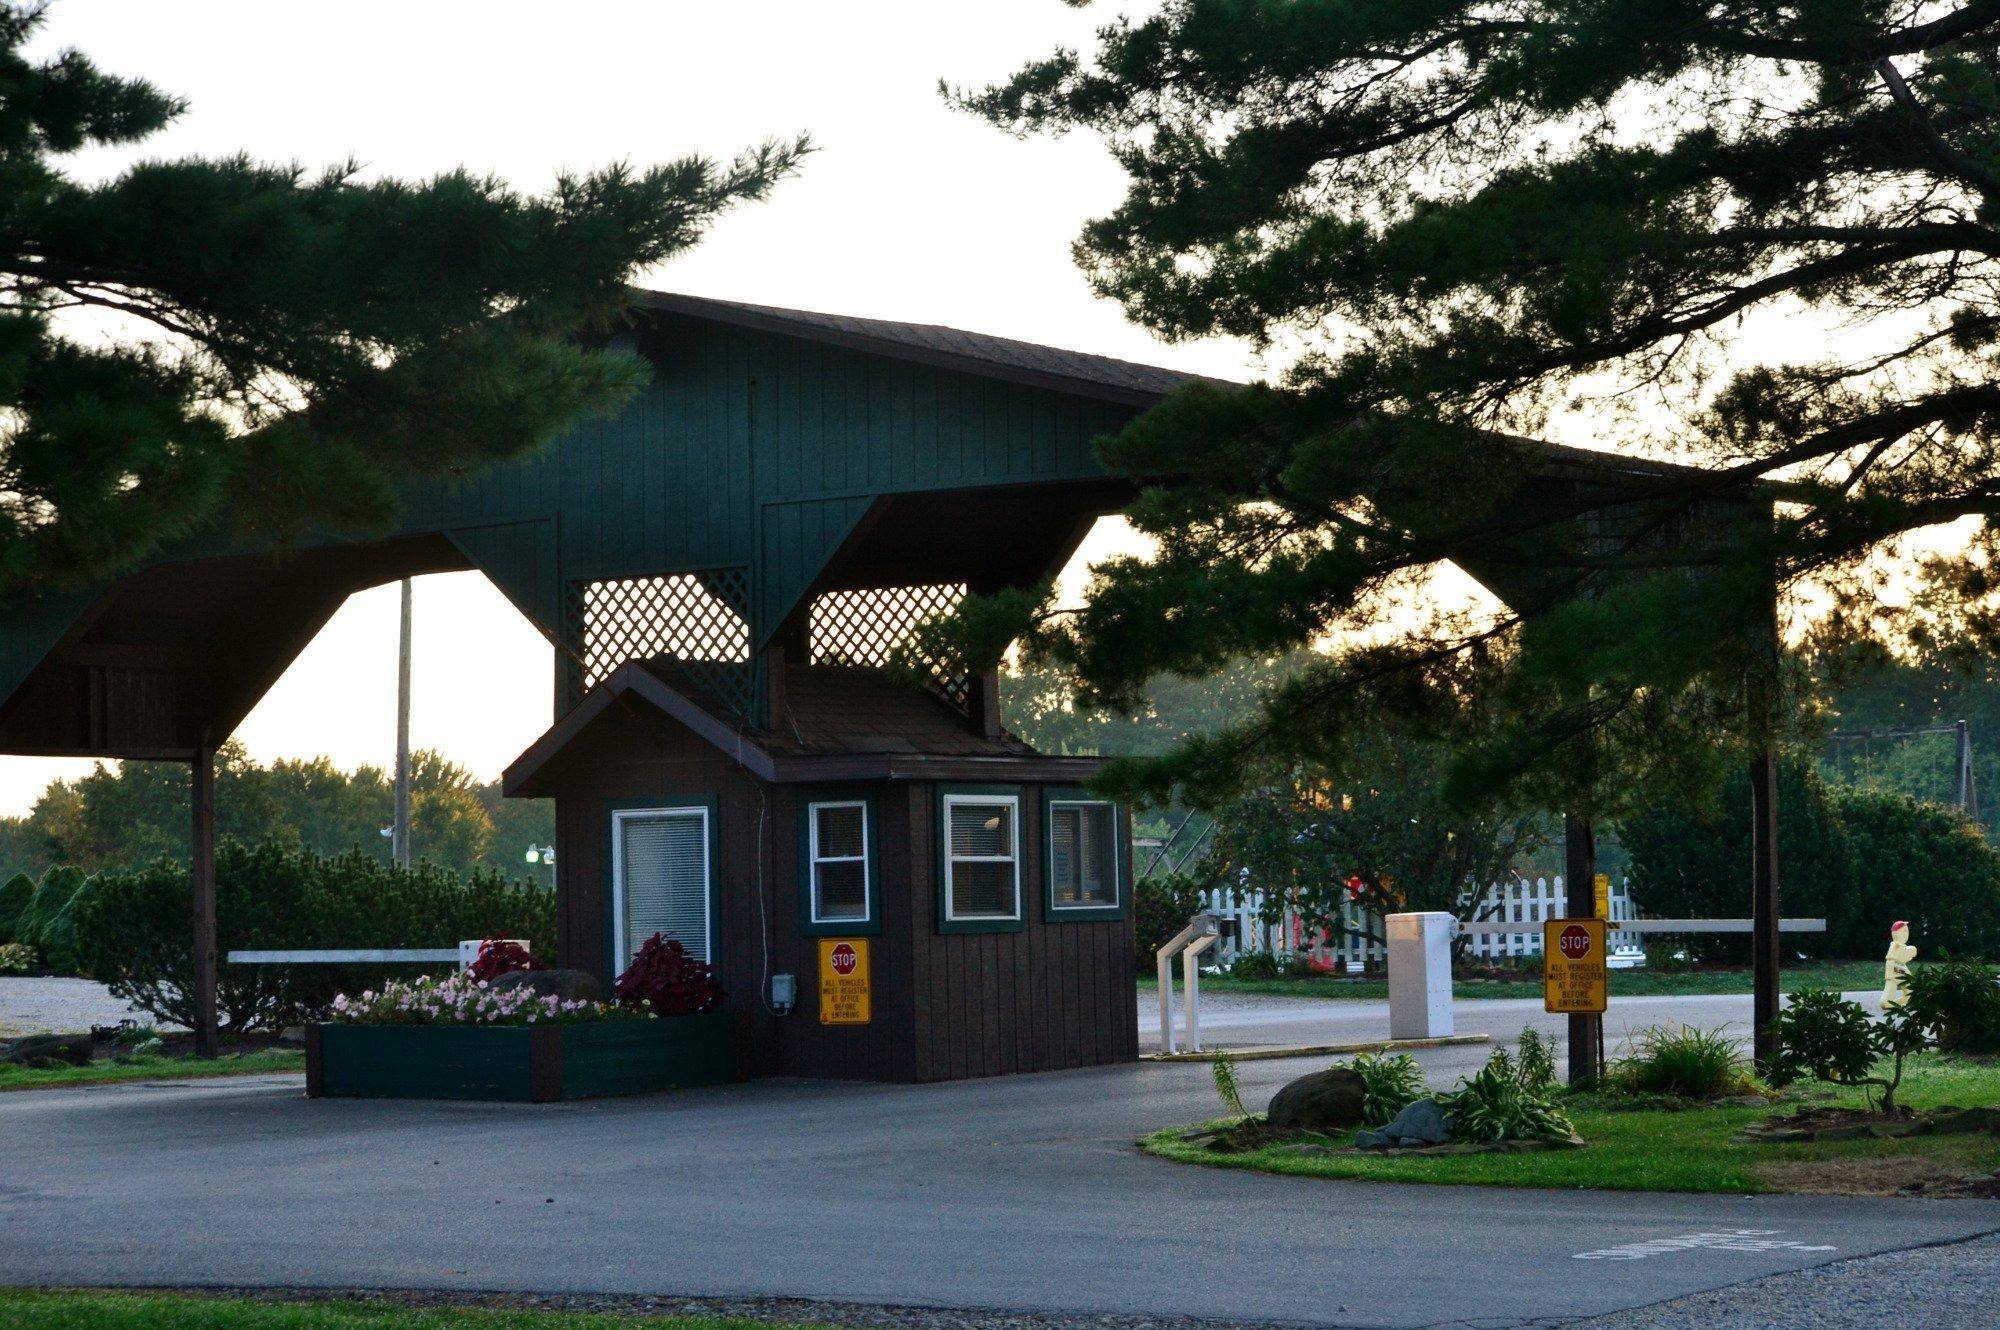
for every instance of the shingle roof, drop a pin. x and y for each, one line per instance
(853, 710)
(952, 348)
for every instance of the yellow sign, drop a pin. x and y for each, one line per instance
(1573, 970)
(1602, 896)
(843, 981)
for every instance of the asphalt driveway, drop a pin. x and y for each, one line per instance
(1023, 1193)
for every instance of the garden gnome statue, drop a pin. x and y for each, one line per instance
(1896, 966)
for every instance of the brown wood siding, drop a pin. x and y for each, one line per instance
(1052, 995)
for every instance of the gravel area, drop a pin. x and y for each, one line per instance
(58, 1006)
(1955, 1286)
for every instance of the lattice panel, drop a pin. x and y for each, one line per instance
(862, 627)
(692, 619)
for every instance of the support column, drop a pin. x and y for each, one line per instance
(1766, 956)
(201, 863)
(1586, 1030)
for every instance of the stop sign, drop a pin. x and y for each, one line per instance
(1575, 942)
(843, 959)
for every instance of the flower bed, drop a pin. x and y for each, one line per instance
(462, 1037)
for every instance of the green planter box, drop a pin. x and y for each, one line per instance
(525, 1063)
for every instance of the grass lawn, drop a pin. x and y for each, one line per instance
(153, 1067)
(1846, 976)
(21, 1309)
(1689, 1150)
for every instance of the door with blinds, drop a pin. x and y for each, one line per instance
(660, 879)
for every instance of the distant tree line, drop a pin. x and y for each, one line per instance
(125, 816)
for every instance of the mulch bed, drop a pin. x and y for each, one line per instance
(1973, 1186)
(1857, 1124)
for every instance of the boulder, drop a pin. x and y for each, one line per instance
(1327, 1100)
(73, 1049)
(1420, 1123)
(569, 985)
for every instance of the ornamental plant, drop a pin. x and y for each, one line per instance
(665, 980)
(1958, 1002)
(459, 999)
(1501, 1103)
(498, 956)
(1390, 1083)
(1825, 1036)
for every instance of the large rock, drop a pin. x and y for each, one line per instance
(569, 985)
(1327, 1100)
(74, 1049)
(1420, 1123)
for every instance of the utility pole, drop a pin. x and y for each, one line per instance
(201, 872)
(399, 839)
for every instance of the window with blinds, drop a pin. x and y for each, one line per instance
(982, 864)
(837, 846)
(1083, 855)
(661, 877)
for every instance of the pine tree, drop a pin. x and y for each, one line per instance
(1756, 238)
(198, 342)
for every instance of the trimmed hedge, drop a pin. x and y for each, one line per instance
(15, 893)
(133, 930)
(1861, 858)
(48, 919)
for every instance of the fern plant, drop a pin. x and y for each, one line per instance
(1498, 1103)
(1389, 1084)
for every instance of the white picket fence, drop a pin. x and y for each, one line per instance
(1517, 901)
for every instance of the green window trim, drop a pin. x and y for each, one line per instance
(949, 797)
(1121, 870)
(871, 924)
(615, 963)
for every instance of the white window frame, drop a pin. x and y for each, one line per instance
(1013, 804)
(814, 859)
(619, 817)
(1117, 867)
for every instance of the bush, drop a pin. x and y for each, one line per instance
(16, 958)
(1390, 1083)
(1160, 908)
(1861, 858)
(1535, 1060)
(1695, 863)
(1682, 1061)
(15, 893)
(664, 979)
(1254, 965)
(1958, 1004)
(49, 920)
(1921, 862)
(134, 935)
(1825, 1036)
(1498, 1104)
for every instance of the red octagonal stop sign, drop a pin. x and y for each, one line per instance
(844, 958)
(1575, 942)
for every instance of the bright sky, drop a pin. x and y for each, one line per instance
(909, 211)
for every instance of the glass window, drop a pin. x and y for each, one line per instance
(1083, 855)
(982, 856)
(838, 848)
(661, 875)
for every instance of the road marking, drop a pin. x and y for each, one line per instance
(1734, 1239)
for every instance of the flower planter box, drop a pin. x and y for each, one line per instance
(524, 1063)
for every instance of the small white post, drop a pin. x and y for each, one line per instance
(1420, 974)
(1166, 959)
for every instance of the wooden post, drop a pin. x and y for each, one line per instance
(1765, 956)
(201, 864)
(399, 829)
(1579, 902)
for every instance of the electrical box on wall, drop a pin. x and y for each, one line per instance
(784, 992)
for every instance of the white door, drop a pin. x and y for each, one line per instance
(660, 879)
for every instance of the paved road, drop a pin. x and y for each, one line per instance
(1023, 1193)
